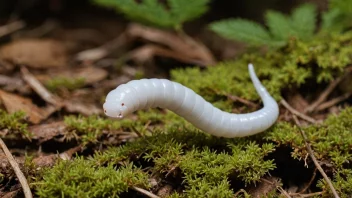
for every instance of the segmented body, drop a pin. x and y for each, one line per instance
(149, 93)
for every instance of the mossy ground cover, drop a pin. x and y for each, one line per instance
(155, 149)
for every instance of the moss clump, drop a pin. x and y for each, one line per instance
(206, 164)
(90, 129)
(289, 67)
(14, 122)
(82, 178)
(330, 141)
(66, 83)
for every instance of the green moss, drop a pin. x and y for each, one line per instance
(2, 177)
(14, 123)
(82, 178)
(331, 142)
(287, 68)
(207, 163)
(57, 83)
(90, 129)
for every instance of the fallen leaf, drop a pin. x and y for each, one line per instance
(36, 53)
(181, 44)
(13, 103)
(86, 109)
(89, 74)
(45, 161)
(298, 102)
(45, 132)
(265, 186)
(39, 88)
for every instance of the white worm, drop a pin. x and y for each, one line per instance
(149, 93)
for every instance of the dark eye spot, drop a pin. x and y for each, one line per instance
(122, 104)
(104, 111)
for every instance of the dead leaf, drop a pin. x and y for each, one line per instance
(45, 161)
(12, 84)
(298, 102)
(45, 132)
(39, 88)
(181, 44)
(36, 53)
(265, 186)
(86, 109)
(89, 74)
(13, 103)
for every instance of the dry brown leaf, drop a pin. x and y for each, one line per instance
(36, 53)
(45, 161)
(13, 103)
(265, 186)
(89, 74)
(86, 109)
(45, 132)
(298, 102)
(39, 88)
(182, 45)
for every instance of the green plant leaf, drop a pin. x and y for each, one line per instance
(243, 30)
(184, 10)
(279, 25)
(151, 12)
(304, 21)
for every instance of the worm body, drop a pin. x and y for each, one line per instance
(149, 93)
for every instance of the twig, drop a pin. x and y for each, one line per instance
(283, 192)
(333, 101)
(100, 52)
(311, 153)
(310, 182)
(306, 195)
(38, 87)
(11, 27)
(145, 192)
(297, 113)
(324, 95)
(240, 191)
(26, 190)
(242, 100)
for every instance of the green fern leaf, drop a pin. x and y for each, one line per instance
(338, 17)
(151, 12)
(304, 21)
(185, 10)
(345, 6)
(243, 30)
(279, 25)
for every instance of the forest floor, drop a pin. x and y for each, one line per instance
(59, 70)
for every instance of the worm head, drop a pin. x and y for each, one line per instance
(116, 104)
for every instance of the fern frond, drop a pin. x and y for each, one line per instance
(185, 10)
(304, 21)
(279, 25)
(345, 6)
(338, 17)
(243, 30)
(152, 12)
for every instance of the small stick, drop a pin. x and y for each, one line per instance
(297, 113)
(324, 95)
(310, 182)
(26, 190)
(283, 192)
(11, 27)
(242, 100)
(306, 195)
(145, 192)
(38, 87)
(311, 153)
(334, 101)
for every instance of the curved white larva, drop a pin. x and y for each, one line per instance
(146, 93)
